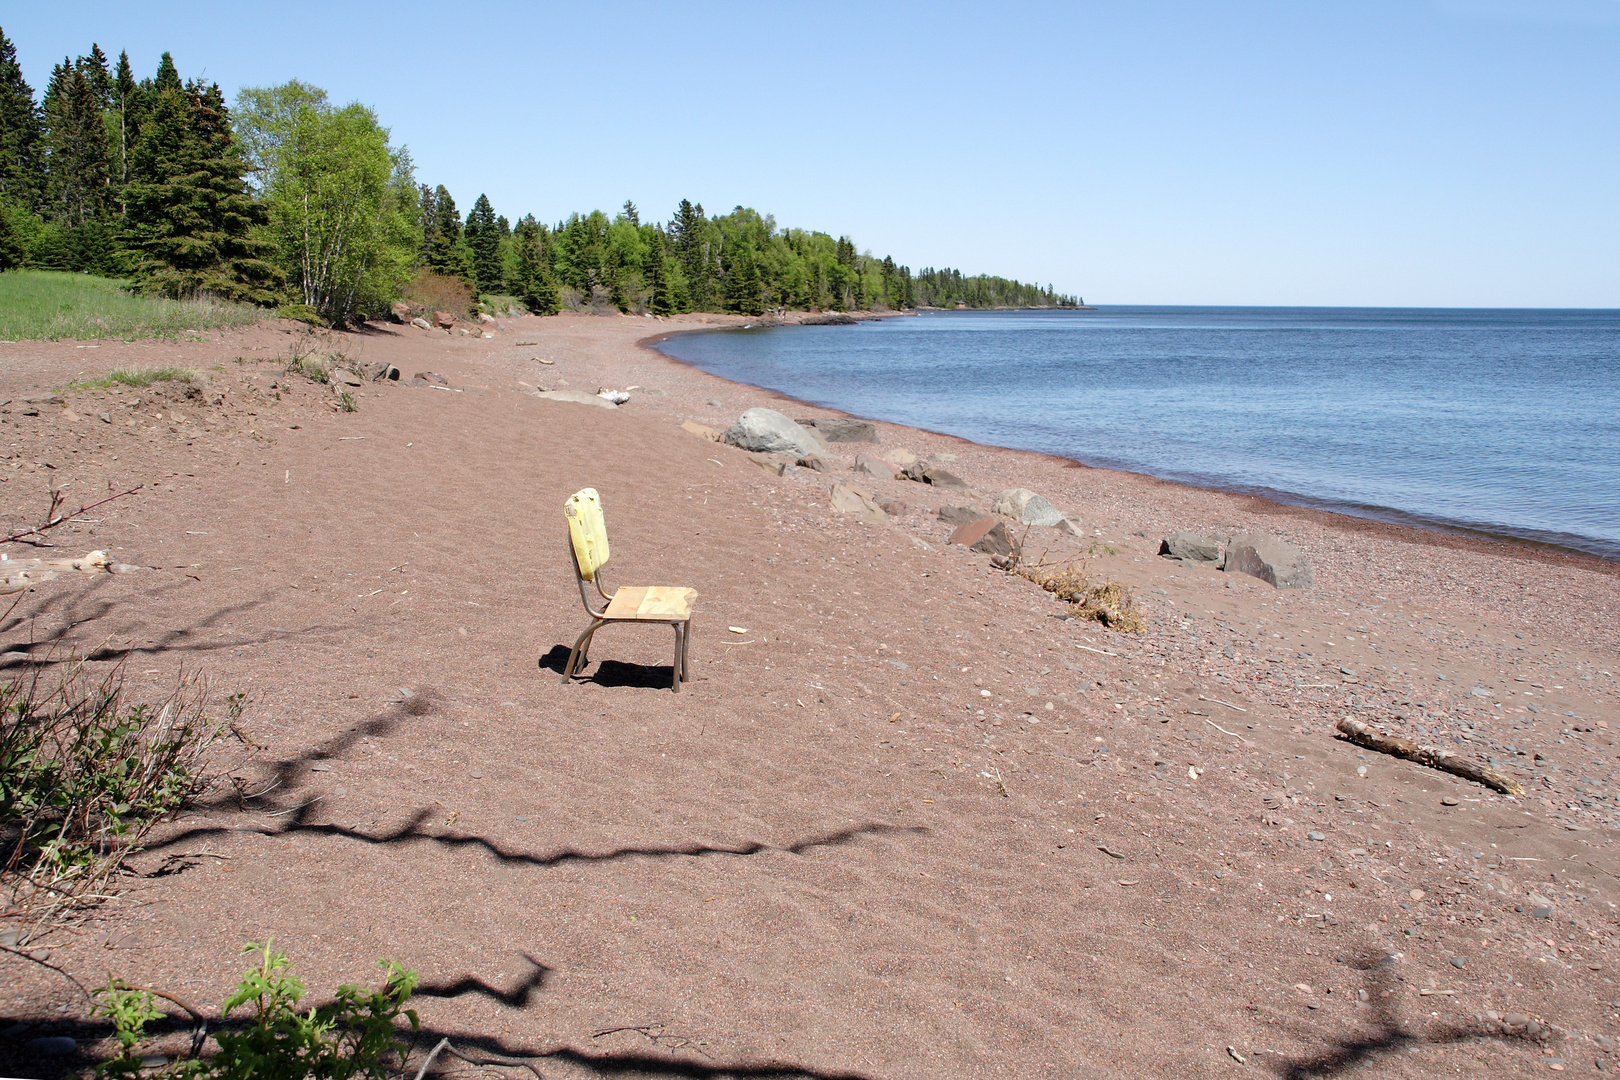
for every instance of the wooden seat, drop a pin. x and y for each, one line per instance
(588, 548)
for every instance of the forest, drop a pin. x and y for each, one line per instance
(286, 200)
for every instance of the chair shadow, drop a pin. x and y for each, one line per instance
(611, 672)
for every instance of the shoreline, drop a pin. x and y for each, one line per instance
(1413, 527)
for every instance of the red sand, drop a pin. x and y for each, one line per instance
(820, 858)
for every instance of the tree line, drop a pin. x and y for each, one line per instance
(286, 199)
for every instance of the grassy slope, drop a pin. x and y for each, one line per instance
(47, 304)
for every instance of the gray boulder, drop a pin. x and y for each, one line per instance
(924, 472)
(1191, 547)
(876, 468)
(839, 430)
(959, 515)
(768, 431)
(852, 500)
(1269, 559)
(1026, 507)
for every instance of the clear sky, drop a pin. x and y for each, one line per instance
(1407, 153)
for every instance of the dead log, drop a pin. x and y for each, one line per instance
(17, 575)
(1432, 756)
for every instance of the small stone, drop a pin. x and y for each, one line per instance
(105, 418)
(1347, 671)
(813, 462)
(1316, 836)
(714, 403)
(1515, 1020)
(476, 775)
(1448, 800)
(1357, 851)
(1362, 995)
(1417, 894)
(1603, 1042)
(876, 468)
(52, 1046)
(1542, 912)
(320, 766)
(421, 323)
(1361, 770)
(1459, 962)
(1531, 1029)
(1304, 988)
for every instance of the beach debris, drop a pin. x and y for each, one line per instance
(924, 472)
(876, 468)
(703, 431)
(1108, 602)
(738, 629)
(578, 397)
(768, 431)
(1026, 507)
(1271, 560)
(1432, 756)
(1235, 1056)
(19, 575)
(986, 535)
(839, 430)
(849, 499)
(1191, 547)
(617, 397)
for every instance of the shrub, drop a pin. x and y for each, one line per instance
(357, 1035)
(84, 778)
(440, 292)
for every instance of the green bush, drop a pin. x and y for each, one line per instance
(84, 777)
(357, 1035)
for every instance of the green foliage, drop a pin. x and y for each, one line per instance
(444, 251)
(437, 292)
(78, 157)
(949, 288)
(12, 251)
(189, 212)
(39, 304)
(301, 313)
(341, 201)
(134, 377)
(22, 133)
(84, 777)
(357, 1035)
(532, 278)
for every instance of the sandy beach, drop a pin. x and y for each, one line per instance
(914, 822)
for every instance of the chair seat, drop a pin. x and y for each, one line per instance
(654, 603)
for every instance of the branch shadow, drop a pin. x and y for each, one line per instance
(1388, 1033)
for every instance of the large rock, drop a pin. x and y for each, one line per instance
(768, 431)
(876, 468)
(421, 323)
(928, 473)
(399, 311)
(849, 499)
(1269, 559)
(959, 515)
(1191, 547)
(898, 455)
(703, 431)
(987, 535)
(838, 430)
(444, 319)
(1026, 507)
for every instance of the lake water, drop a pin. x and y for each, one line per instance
(1502, 421)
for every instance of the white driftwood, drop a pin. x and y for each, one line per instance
(17, 575)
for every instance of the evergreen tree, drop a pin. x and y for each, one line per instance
(534, 282)
(446, 251)
(631, 214)
(655, 273)
(21, 134)
(743, 287)
(11, 246)
(483, 235)
(190, 215)
(125, 107)
(94, 68)
(689, 232)
(77, 173)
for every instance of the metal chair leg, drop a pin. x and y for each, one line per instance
(576, 658)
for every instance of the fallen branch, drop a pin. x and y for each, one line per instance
(20, 575)
(1218, 701)
(1223, 731)
(444, 1045)
(53, 519)
(1434, 757)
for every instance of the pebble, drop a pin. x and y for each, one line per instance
(53, 1046)
(1361, 770)
(1417, 894)
(1542, 912)
(1515, 1019)
(1316, 836)
(1448, 800)
(1459, 962)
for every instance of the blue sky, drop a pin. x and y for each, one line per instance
(1425, 152)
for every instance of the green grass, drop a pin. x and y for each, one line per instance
(36, 304)
(134, 377)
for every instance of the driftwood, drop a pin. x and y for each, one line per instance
(1432, 756)
(17, 575)
(53, 519)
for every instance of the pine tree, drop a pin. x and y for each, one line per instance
(11, 247)
(742, 284)
(77, 166)
(484, 238)
(691, 245)
(534, 282)
(190, 214)
(22, 134)
(446, 252)
(654, 273)
(631, 214)
(125, 109)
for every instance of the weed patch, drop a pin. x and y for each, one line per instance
(135, 377)
(49, 305)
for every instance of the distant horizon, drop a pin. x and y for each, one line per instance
(1442, 154)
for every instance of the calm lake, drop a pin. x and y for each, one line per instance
(1502, 421)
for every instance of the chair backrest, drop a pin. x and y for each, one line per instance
(587, 529)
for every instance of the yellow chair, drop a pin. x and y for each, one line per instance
(588, 546)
